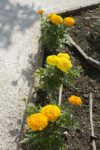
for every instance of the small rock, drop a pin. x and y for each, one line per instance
(66, 133)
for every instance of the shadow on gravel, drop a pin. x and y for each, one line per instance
(14, 132)
(34, 62)
(14, 17)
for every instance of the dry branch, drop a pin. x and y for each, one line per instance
(60, 96)
(91, 121)
(90, 60)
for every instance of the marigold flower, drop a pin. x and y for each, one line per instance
(75, 100)
(50, 15)
(56, 19)
(60, 55)
(69, 21)
(40, 12)
(64, 64)
(37, 122)
(52, 60)
(52, 112)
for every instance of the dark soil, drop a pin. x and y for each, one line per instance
(85, 34)
(89, 81)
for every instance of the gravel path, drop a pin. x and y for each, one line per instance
(19, 26)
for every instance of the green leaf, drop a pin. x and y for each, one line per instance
(36, 74)
(25, 141)
(64, 144)
(24, 99)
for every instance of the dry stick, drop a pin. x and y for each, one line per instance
(60, 98)
(92, 18)
(60, 95)
(91, 122)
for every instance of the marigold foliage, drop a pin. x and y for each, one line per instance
(52, 137)
(57, 72)
(40, 12)
(37, 122)
(56, 19)
(52, 60)
(75, 100)
(52, 112)
(64, 64)
(60, 55)
(69, 21)
(53, 32)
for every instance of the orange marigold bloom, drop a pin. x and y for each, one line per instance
(60, 55)
(69, 21)
(52, 60)
(40, 12)
(52, 112)
(56, 19)
(50, 15)
(64, 64)
(75, 100)
(37, 122)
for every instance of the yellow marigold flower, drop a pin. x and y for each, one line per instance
(60, 55)
(75, 100)
(37, 122)
(40, 12)
(52, 112)
(69, 21)
(50, 15)
(52, 60)
(56, 19)
(64, 64)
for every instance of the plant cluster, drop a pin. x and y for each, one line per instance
(46, 125)
(57, 72)
(53, 31)
(46, 128)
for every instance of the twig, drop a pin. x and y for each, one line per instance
(90, 60)
(91, 121)
(92, 18)
(60, 95)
